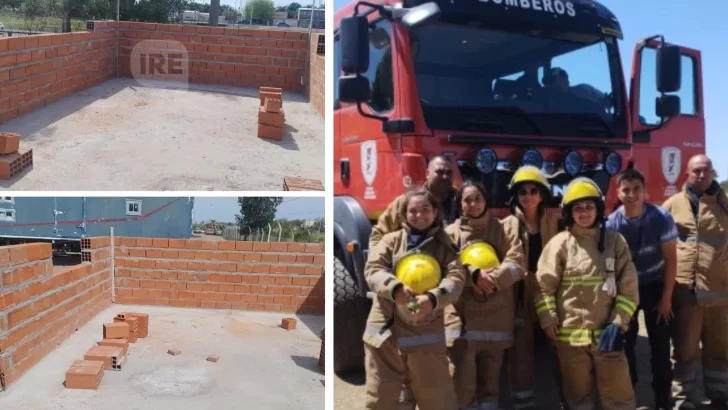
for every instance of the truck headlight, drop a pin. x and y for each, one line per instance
(486, 160)
(573, 163)
(532, 157)
(613, 163)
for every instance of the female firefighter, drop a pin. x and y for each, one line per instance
(480, 324)
(415, 273)
(587, 293)
(535, 228)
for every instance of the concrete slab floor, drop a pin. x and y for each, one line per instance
(261, 366)
(162, 136)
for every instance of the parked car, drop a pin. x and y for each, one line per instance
(283, 24)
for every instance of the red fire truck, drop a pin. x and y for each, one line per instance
(493, 85)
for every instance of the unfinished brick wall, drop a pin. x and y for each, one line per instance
(38, 70)
(276, 277)
(316, 87)
(41, 306)
(243, 57)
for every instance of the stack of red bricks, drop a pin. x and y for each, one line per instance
(13, 159)
(110, 353)
(270, 113)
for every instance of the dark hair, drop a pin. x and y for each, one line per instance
(459, 194)
(630, 174)
(434, 203)
(513, 200)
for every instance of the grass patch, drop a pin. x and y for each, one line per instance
(50, 24)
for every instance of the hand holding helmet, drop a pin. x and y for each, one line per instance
(483, 257)
(418, 272)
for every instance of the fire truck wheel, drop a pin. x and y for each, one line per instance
(350, 314)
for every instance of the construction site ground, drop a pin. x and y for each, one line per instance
(121, 135)
(261, 365)
(349, 391)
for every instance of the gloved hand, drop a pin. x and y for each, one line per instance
(612, 339)
(610, 286)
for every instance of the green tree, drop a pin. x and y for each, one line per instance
(292, 9)
(257, 212)
(260, 10)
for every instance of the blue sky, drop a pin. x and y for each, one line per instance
(225, 209)
(698, 25)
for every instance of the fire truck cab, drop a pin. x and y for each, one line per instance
(493, 85)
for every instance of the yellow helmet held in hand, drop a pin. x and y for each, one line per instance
(529, 173)
(580, 189)
(480, 255)
(418, 271)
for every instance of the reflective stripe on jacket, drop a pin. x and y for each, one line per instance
(570, 276)
(702, 245)
(386, 319)
(477, 316)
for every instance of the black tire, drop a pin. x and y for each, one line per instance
(350, 315)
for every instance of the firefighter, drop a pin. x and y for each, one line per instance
(651, 235)
(414, 273)
(587, 294)
(439, 182)
(480, 324)
(535, 228)
(700, 298)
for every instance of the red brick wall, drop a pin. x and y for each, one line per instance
(41, 306)
(316, 87)
(276, 277)
(244, 57)
(38, 70)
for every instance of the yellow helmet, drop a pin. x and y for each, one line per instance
(418, 271)
(579, 189)
(529, 173)
(480, 255)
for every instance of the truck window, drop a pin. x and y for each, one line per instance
(648, 91)
(380, 74)
(468, 72)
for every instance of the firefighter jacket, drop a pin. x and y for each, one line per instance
(391, 219)
(570, 276)
(702, 245)
(476, 316)
(386, 318)
(515, 226)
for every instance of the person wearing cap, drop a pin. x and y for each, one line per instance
(586, 297)
(479, 325)
(534, 227)
(415, 274)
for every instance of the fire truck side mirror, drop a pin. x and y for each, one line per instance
(667, 106)
(669, 65)
(354, 35)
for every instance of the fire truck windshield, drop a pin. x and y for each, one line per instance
(471, 78)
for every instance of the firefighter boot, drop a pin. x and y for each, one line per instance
(521, 363)
(387, 369)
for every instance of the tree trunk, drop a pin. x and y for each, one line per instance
(66, 26)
